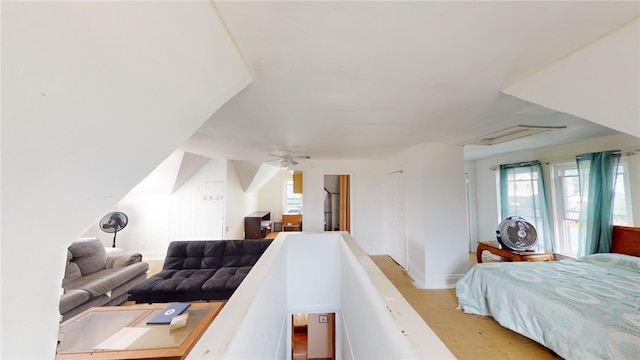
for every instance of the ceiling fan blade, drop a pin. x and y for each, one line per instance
(278, 156)
(293, 162)
(301, 157)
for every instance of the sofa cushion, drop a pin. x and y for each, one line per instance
(72, 270)
(103, 281)
(195, 254)
(169, 281)
(239, 253)
(226, 279)
(89, 255)
(114, 262)
(72, 298)
(93, 302)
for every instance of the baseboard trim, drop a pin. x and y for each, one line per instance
(442, 281)
(417, 276)
(153, 255)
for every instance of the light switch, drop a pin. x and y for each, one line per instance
(323, 318)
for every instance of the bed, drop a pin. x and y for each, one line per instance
(585, 308)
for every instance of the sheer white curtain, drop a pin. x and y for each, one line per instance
(522, 193)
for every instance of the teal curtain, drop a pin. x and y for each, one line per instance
(597, 175)
(522, 193)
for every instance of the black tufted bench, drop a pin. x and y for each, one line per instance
(200, 270)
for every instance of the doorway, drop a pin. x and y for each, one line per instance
(337, 203)
(313, 336)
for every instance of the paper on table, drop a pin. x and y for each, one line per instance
(122, 338)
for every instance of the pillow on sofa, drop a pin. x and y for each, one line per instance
(89, 255)
(123, 260)
(72, 270)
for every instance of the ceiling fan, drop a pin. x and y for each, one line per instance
(287, 159)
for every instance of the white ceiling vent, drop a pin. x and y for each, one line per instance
(508, 134)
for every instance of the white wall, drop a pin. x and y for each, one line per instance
(320, 336)
(92, 110)
(435, 195)
(435, 213)
(148, 227)
(446, 237)
(472, 213)
(487, 195)
(271, 196)
(367, 185)
(409, 161)
(235, 205)
(147, 206)
(313, 275)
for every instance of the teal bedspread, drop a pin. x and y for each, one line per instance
(586, 308)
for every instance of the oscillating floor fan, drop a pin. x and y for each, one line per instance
(515, 233)
(114, 222)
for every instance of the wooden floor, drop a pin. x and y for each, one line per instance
(467, 336)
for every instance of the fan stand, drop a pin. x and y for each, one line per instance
(114, 239)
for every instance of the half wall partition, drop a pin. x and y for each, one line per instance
(314, 273)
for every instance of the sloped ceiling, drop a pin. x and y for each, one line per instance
(581, 82)
(367, 79)
(174, 171)
(254, 175)
(246, 171)
(189, 165)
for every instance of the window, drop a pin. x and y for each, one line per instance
(622, 202)
(522, 194)
(567, 200)
(522, 187)
(293, 201)
(567, 204)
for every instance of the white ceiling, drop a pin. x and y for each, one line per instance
(368, 79)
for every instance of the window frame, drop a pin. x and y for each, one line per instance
(559, 202)
(624, 164)
(288, 185)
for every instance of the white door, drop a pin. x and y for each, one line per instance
(197, 212)
(210, 196)
(394, 215)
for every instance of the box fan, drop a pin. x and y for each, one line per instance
(516, 234)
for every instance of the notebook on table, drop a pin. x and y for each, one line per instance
(169, 312)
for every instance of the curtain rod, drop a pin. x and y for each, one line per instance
(393, 172)
(547, 161)
(627, 152)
